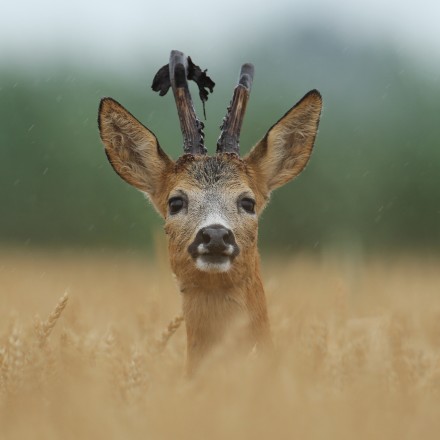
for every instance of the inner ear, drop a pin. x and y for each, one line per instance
(285, 150)
(132, 149)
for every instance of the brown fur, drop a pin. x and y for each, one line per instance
(214, 303)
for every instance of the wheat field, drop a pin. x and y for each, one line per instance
(84, 352)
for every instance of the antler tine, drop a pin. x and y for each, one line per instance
(228, 141)
(192, 128)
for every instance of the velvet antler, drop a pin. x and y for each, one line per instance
(175, 75)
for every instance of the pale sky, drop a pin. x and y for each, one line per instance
(111, 33)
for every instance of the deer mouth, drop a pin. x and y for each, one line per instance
(213, 262)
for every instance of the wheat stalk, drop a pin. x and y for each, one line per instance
(13, 360)
(172, 327)
(44, 329)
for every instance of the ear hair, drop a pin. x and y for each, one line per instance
(131, 148)
(285, 150)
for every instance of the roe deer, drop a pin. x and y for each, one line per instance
(211, 204)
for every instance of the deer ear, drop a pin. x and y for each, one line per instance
(285, 150)
(131, 148)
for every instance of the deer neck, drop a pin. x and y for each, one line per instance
(227, 312)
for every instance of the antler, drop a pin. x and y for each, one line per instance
(228, 142)
(175, 74)
(192, 128)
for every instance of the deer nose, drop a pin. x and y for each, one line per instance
(216, 238)
(214, 241)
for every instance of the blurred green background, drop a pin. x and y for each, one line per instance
(374, 178)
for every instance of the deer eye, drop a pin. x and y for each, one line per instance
(176, 204)
(248, 205)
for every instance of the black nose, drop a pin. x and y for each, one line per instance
(214, 240)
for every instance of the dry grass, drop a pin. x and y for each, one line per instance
(358, 353)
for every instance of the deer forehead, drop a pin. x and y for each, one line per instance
(222, 175)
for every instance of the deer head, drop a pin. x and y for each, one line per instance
(211, 204)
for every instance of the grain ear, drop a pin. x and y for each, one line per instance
(285, 150)
(131, 148)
